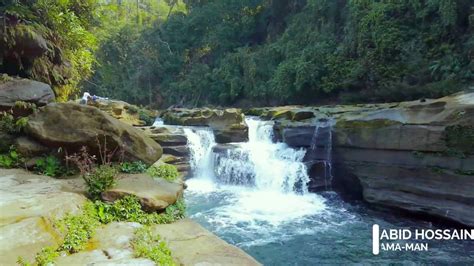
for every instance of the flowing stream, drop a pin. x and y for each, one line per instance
(254, 195)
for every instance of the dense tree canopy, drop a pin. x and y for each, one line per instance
(257, 52)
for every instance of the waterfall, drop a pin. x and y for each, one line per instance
(251, 189)
(158, 122)
(321, 148)
(259, 163)
(200, 143)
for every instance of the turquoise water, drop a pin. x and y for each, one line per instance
(333, 232)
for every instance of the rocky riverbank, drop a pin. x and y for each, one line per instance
(30, 203)
(414, 156)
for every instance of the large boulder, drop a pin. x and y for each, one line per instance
(228, 124)
(13, 90)
(71, 126)
(155, 194)
(123, 111)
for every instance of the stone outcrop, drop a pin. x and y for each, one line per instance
(415, 156)
(174, 143)
(29, 203)
(14, 90)
(123, 111)
(228, 124)
(155, 194)
(71, 126)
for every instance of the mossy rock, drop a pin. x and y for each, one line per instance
(460, 138)
(359, 124)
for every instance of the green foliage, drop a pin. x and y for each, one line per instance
(76, 230)
(100, 179)
(11, 159)
(129, 209)
(50, 166)
(63, 30)
(460, 139)
(255, 52)
(11, 125)
(46, 256)
(133, 167)
(165, 171)
(148, 245)
(145, 117)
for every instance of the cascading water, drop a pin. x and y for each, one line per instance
(262, 163)
(253, 195)
(200, 143)
(255, 187)
(321, 149)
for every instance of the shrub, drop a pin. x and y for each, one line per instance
(11, 125)
(148, 245)
(133, 167)
(50, 166)
(100, 179)
(10, 159)
(7, 122)
(145, 117)
(128, 209)
(166, 171)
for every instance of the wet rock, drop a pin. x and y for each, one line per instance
(155, 194)
(191, 244)
(180, 151)
(82, 125)
(228, 124)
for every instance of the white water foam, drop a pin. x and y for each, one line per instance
(257, 211)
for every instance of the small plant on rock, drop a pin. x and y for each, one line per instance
(133, 167)
(148, 245)
(10, 159)
(98, 179)
(165, 171)
(50, 166)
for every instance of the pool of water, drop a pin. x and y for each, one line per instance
(290, 229)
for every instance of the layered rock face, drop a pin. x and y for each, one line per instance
(174, 143)
(71, 126)
(228, 124)
(415, 156)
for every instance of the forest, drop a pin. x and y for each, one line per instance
(192, 53)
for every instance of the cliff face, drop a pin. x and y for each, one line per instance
(414, 156)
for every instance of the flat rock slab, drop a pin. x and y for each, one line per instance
(28, 203)
(191, 244)
(155, 194)
(24, 195)
(109, 246)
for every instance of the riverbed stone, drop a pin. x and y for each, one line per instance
(71, 126)
(155, 194)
